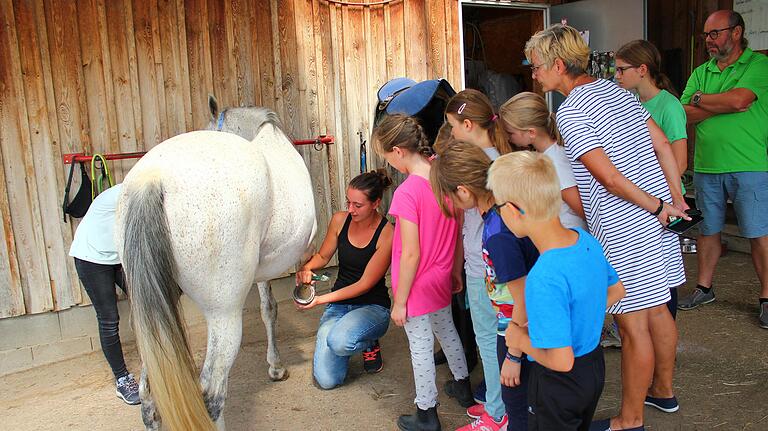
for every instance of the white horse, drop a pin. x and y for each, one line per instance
(208, 214)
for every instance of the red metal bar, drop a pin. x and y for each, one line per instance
(322, 139)
(80, 157)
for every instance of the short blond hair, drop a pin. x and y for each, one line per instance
(529, 180)
(563, 42)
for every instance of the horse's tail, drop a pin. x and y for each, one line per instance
(150, 270)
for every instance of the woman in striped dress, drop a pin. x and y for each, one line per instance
(629, 185)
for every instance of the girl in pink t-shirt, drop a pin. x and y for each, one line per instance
(423, 250)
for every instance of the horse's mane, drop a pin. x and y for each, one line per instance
(243, 121)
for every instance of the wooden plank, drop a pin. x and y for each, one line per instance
(436, 24)
(265, 41)
(255, 39)
(394, 22)
(133, 75)
(128, 126)
(239, 19)
(44, 161)
(453, 44)
(61, 17)
(376, 53)
(183, 64)
(287, 75)
(199, 56)
(416, 49)
(221, 61)
(355, 65)
(171, 56)
(53, 129)
(151, 114)
(18, 166)
(309, 94)
(159, 76)
(326, 105)
(11, 295)
(93, 75)
(337, 160)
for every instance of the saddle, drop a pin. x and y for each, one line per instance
(425, 100)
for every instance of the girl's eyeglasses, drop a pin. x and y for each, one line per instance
(497, 207)
(624, 69)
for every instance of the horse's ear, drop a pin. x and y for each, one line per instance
(213, 105)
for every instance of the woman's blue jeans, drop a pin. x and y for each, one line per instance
(345, 330)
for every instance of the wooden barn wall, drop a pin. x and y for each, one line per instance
(123, 75)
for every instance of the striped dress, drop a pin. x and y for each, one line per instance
(646, 257)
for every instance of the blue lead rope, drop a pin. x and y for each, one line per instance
(220, 122)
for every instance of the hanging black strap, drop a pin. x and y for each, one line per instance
(66, 191)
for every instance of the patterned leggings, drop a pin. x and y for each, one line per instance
(421, 331)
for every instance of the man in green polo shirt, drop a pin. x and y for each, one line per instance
(727, 99)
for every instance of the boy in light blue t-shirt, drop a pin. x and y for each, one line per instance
(565, 297)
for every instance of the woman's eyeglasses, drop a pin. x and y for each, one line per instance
(714, 34)
(497, 207)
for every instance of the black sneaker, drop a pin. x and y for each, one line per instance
(372, 361)
(128, 390)
(763, 318)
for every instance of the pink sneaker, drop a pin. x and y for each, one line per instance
(486, 423)
(476, 411)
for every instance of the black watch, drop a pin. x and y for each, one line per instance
(660, 208)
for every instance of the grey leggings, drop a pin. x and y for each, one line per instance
(421, 331)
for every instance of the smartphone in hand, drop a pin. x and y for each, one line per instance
(681, 225)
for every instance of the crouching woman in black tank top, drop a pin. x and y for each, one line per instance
(357, 310)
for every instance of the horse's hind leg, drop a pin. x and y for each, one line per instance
(225, 332)
(148, 410)
(269, 316)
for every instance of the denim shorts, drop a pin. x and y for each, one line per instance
(747, 190)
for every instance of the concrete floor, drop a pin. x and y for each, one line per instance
(720, 381)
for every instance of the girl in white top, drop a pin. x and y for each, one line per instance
(471, 119)
(529, 124)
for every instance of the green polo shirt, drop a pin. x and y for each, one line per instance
(735, 142)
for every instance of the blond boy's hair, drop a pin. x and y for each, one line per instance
(563, 42)
(528, 180)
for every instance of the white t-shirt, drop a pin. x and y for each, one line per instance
(472, 232)
(94, 239)
(557, 154)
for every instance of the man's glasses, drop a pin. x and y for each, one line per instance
(714, 34)
(497, 207)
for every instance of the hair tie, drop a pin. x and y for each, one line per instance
(461, 108)
(494, 117)
(433, 157)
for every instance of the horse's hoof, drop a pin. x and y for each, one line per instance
(278, 374)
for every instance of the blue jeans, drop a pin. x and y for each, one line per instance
(345, 330)
(485, 323)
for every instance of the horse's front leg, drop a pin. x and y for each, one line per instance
(269, 315)
(225, 332)
(148, 410)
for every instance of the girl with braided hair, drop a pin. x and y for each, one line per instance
(423, 248)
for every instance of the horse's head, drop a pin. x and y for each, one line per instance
(244, 122)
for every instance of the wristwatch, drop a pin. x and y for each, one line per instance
(696, 99)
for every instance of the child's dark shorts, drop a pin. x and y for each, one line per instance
(566, 401)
